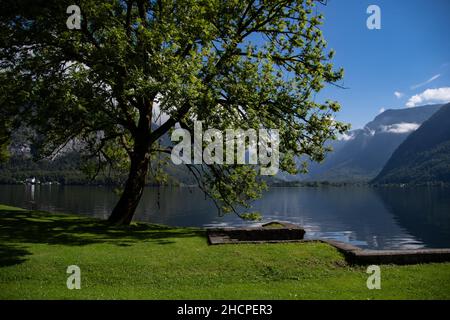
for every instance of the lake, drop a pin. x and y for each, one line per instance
(373, 218)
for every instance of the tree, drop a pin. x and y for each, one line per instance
(4, 141)
(231, 64)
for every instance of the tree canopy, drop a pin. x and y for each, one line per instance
(231, 64)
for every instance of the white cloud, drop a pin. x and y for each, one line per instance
(438, 95)
(426, 82)
(398, 94)
(403, 127)
(346, 137)
(381, 110)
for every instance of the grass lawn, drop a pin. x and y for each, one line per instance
(145, 261)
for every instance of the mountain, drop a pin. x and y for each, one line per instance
(424, 157)
(361, 154)
(358, 156)
(66, 168)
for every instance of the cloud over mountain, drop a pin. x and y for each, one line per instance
(403, 127)
(438, 95)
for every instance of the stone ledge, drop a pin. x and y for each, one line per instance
(360, 256)
(293, 234)
(267, 233)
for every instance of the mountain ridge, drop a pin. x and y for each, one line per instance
(424, 157)
(361, 154)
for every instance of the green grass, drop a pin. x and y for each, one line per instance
(146, 261)
(273, 225)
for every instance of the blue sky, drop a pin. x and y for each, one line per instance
(408, 55)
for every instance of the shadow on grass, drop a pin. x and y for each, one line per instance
(22, 227)
(11, 255)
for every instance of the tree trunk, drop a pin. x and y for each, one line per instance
(123, 212)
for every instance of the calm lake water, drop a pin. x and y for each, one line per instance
(382, 218)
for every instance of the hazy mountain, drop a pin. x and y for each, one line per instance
(66, 167)
(424, 157)
(358, 156)
(361, 154)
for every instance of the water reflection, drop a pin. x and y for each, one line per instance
(424, 212)
(372, 218)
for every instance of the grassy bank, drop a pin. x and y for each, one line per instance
(146, 261)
